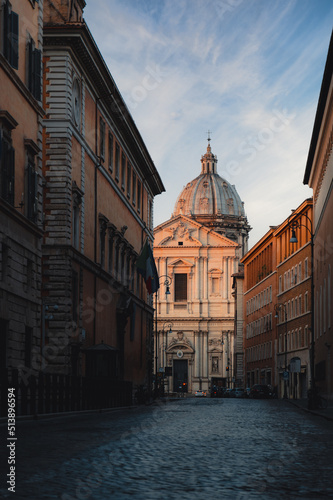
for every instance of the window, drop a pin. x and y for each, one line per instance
(139, 195)
(300, 304)
(111, 229)
(110, 151)
(123, 171)
(102, 232)
(10, 35)
(77, 195)
(306, 268)
(31, 181)
(117, 162)
(300, 271)
(129, 175)
(215, 285)
(4, 261)
(34, 58)
(150, 212)
(7, 158)
(134, 188)
(180, 287)
(116, 264)
(101, 138)
(76, 226)
(306, 302)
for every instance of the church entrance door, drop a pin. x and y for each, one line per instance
(180, 375)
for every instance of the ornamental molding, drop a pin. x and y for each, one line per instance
(181, 342)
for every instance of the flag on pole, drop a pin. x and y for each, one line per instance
(147, 268)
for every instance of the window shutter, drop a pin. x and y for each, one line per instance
(37, 55)
(11, 176)
(4, 167)
(13, 39)
(6, 31)
(30, 65)
(35, 206)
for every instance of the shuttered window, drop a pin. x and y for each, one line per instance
(117, 162)
(32, 204)
(180, 287)
(123, 171)
(110, 151)
(102, 138)
(7, 170)
(34, 69)
(10, 35)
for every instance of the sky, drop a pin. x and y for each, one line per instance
(250, 71)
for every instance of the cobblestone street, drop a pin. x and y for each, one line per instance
(193, 449)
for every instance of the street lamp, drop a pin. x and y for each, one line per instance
(227, 352)
(293, 239)
(277, 308)
(167, 282)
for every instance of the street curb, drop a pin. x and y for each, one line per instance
(326, 417)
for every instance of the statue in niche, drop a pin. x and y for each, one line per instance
(215, 365)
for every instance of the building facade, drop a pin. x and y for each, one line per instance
(293, 305)
(77, 187)
(259, 335)
(238, 294)
(100, 183)
(277, 307)
(21, 115)
(319, 176)
(196, 252)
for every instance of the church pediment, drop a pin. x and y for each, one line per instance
(180, 263)
(182, 231)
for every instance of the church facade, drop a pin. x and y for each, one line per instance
(197, 251)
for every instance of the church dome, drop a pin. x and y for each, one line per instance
(209, 194)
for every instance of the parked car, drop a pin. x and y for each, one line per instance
(200, 394)
(227, 393)
(261, 391)
(238, 392)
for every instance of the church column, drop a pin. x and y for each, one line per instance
(205, 354)
(205, 278)
(226, 281)
(196, 354)
(190, 292)
(197, 277)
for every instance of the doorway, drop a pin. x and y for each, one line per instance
(180, 375)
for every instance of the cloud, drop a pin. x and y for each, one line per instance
(231, 70)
